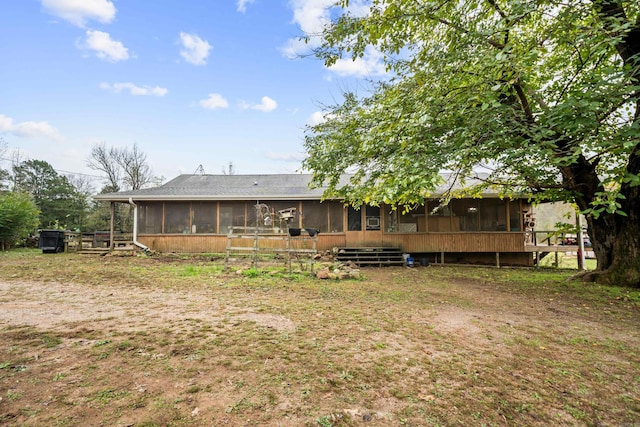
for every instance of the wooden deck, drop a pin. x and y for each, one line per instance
(553, 248)
(507, 248)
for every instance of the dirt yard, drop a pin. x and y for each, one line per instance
(179, 342)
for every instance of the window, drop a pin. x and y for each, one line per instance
(315, 215)
(354, 219)
(336, 217)
(391, 220)
(471, 215)
(150, 218)
(204, 217)
(259, 214)
(493, 215)
(289, 208)
(439, 217)
(232, 214)
(465, 214)
(373, 217)
(515, 216)
(412, 221)
(177, 218)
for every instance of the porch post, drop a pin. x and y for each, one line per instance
(112, 226)
(580, 243)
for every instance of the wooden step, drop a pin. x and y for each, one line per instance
(366, 256)
(103, 251)
(93, 251)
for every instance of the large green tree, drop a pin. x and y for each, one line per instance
(543, 93)
(59, 202)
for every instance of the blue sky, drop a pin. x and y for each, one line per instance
(191, 82)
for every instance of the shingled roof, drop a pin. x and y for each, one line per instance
(239, 187)
(225, 187)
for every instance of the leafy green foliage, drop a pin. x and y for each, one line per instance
(61, 205)
(18, 217)
(544, 96)
(530, 90)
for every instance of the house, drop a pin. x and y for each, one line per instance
(195, 213)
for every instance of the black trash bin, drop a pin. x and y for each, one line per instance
(51, 241)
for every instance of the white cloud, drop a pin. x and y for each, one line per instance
(371, 64)
(313, 16)
(135, 90)
(194, 50)
(242, 5)
(214, 101)
(266, 104)
(104, 46)
(78, 12)
(29, 129)
(316, 118)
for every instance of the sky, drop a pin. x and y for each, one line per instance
(191, 82)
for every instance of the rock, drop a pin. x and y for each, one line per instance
(339, 272)
(323, 274)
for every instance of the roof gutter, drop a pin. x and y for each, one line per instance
(212, 198)
(135, 227)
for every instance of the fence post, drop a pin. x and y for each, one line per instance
(255, 249)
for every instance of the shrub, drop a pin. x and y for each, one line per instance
(18, 217)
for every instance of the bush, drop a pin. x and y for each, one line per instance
(18, 218)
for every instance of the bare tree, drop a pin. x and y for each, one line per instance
(82, 184)
(123, 167)
(104, 159)
(135, 168)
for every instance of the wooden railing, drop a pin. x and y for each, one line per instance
(258, 242)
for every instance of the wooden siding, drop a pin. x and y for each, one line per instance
(456, 242)
(408, 242)
(185, 243)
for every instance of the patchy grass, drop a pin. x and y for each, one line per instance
(567, 261)
(177, 341)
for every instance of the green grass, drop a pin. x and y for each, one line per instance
(179, 341)
(567, 262)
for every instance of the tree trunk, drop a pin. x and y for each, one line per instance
(624, 268)
(614, 236)
(616, 244)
